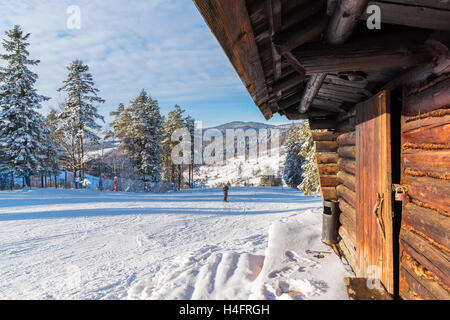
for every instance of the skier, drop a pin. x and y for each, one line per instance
(225, 193)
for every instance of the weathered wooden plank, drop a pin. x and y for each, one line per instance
(326, 146)
(432, 163)
(318, 124)
(310, 92)
(430, 223)
(350, 245)
(425, 288)
(372, 54)
(347, 139)
(347, 125)
(230, 23)
(290, 81)
(349, 255)
(328, 181)
(347, 194)
(289, 39)
(374, 237)
(289, 101)
(347, 152)
(348, 210)
(328, 169)
(323, 158)
(434, 192)
(328, 193)
(435, 97)
(326, 104)
(440, 4)
(348, 165)
(428, 123)
(413, 16)
(324, 135)
(344, 19)
(435, 133)
(358, 289)
(348, 225)
(347, 180)
(429, 256)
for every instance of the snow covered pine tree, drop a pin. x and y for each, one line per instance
(310, 176)
(139, 128)
(22, 128)
(292, 172)
(79, 114)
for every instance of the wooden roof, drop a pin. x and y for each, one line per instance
(317, 58)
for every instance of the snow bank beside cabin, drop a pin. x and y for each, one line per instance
(296, 266)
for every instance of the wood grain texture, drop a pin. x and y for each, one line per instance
(432, 163)
(230, 23)
(373, 162)
(347, 139)
(347, 152)
(434, 192)
(435, 97)
(432, 224)
(347, 180)
(347, 165)
(430, 257)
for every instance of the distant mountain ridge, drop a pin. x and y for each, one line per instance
(251, 125)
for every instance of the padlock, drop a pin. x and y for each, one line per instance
(400, 194)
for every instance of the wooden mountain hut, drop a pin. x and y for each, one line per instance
(373, 78)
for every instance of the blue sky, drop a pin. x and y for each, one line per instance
(163, 46)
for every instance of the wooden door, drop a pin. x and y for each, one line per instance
(374, 241)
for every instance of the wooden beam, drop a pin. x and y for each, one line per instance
(274, 13)
(370, 54)
(297, 35)
(414, 77)
(440, 4)
(438, 96)
(294, 63)
(300, 13)
(312, 87)
(344, 19)
(292, 80)
(340, 27)
(229, 21)
(413, 16)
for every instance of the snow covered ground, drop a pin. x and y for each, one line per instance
(70, 244)
(243, 170)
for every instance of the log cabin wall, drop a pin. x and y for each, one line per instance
(345, 189)
(335, 155)
(347, 196)
(326, 157)
(425, 226)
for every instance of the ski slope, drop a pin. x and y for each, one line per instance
(71, 244)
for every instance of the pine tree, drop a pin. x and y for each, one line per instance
(139, 128)
(310, 183)
(79, 115)
(147, 136)
(292, 171)
(50, 141)
(22, 130)
(175, 120)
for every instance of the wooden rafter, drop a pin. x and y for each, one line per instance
(274, 13)
(340, 27)
(372, 54)
(344, 19)
(413, 16)
(312, 87)
(230, 23)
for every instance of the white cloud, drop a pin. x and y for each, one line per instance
(161, 45)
